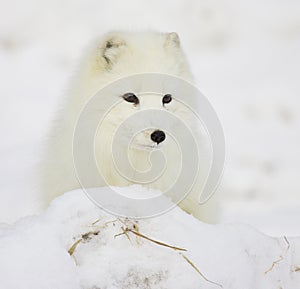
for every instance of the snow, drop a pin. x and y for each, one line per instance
(34, 252)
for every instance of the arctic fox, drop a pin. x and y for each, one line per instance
(117, 55)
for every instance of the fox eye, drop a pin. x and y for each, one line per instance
(131, 97)
(167, 98)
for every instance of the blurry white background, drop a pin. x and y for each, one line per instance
(246, 59)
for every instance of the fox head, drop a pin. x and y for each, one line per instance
(120, 55)
(130, 119)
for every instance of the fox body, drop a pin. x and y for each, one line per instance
(118, 55)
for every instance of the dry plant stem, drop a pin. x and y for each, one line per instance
(151, 240)
(137, 233)
(297, 269)
(273, 264)
(172, 247)
(288, 243)
(280, 257)
(199, 272)
(73, 247)
(95, 222)
(105, 224)
(83, 237)
(124, 232)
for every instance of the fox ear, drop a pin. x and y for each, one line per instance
(172, 39)
(110, 49)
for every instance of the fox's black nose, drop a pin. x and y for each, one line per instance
(158, 136)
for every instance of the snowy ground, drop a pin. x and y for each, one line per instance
(246, 60)
(76, 245)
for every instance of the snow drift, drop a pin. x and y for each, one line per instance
(74, 245)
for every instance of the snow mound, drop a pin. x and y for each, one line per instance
(74, 245)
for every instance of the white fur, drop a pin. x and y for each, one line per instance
(126, 54)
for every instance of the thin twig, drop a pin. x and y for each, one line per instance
(288, 243)
(280, 257)
(124, 232)
(273, 264)
(199, 272)
(155, 241)
(95, 222)
(73, 247)
(83, 237)
(105, 224)
(151, 240)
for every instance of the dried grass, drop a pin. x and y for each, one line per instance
(132, 227)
